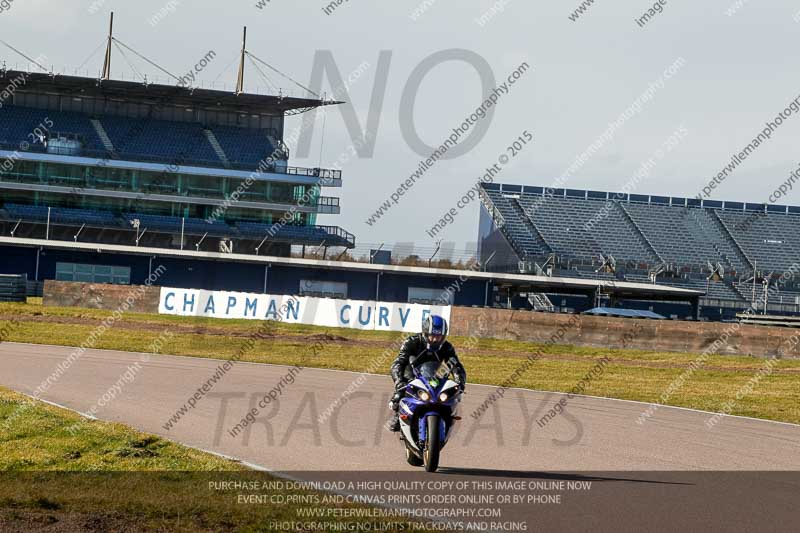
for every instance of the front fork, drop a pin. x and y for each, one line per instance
(422, 429)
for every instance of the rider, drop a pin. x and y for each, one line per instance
(429, 345)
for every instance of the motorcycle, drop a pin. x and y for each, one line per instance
(427, 412)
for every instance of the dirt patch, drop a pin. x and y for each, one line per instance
(327, 337)
(23, 521)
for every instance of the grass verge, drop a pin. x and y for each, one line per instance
(629, 374)
(108, 477)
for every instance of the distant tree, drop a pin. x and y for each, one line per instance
(411, 260)
(443, 263)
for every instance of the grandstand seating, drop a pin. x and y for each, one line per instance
(16, 123)
(662, 223)
(159, 139)
(773, 238)
(569, 233)
(111, 152)
(587, 232)
(292, 232)
(333, 236)
(142, 139)
(62, 215)
(243, 146)
(518, 230)
(679, 237)
(170, 224)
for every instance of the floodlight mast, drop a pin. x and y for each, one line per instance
(240, 77)
(107, 61)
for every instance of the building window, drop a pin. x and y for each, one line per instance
(421, 295)
(323, 289)
(115, 275)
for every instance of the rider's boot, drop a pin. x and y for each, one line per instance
(394, 404)
(394, 423)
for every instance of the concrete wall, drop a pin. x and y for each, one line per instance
(580, 330)
(606, 332)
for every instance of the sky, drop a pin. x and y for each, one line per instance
(736, 70)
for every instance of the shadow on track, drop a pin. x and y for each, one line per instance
(550, 476)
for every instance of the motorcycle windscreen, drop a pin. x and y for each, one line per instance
(434, 370)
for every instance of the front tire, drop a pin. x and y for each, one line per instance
(412, 459)
(431, 454)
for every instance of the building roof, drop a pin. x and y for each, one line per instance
(653, 199)
(624, 313)
(525, 281)
(153, 93)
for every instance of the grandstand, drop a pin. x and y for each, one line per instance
(735, 253)
(116, 162)
(104, 180)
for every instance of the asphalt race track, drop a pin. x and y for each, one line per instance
(670, 465)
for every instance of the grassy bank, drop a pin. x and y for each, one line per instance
(108, 477)
(36, 436)
(629, 374)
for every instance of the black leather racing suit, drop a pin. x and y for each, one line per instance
(414, 351)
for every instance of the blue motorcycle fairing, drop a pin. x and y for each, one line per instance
(418, 409)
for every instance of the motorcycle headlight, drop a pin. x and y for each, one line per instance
(443, 397)
(424, 396)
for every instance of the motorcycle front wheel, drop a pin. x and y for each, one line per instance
(431, 453)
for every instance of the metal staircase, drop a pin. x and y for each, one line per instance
(540, 302)
(101, 132)
(537, 235)
(280, 147)
(214, 142)
(500, 222)
(735, 287)
(704, 236)
(728, 236)
(638, 231)
(710, 233)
